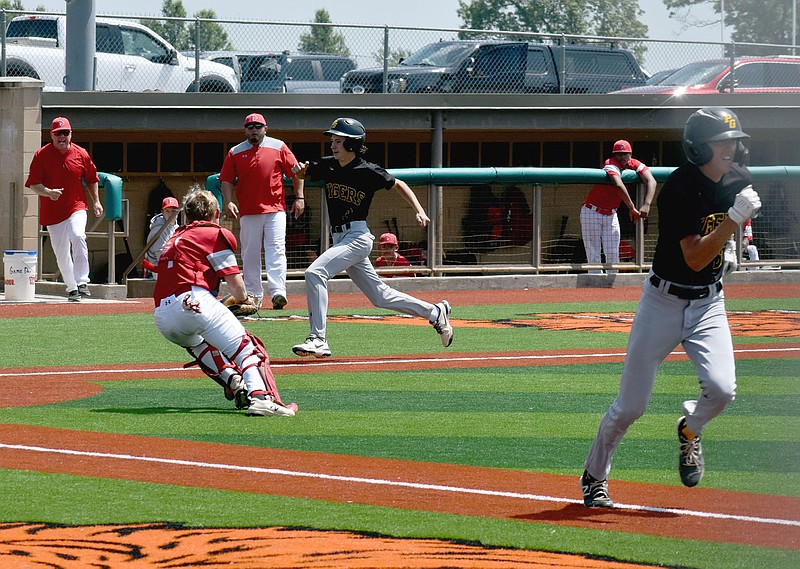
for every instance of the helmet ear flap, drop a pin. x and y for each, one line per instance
(742, 156)
(697, 154)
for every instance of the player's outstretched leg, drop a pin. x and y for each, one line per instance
(441, 323)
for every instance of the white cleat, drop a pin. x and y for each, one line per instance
(442, 323)
(313, 346)
(268, 407)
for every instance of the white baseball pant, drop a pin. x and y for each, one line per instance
(600, 231)
(196, 317)
(350, 252)
(68, 239)
(267, 231)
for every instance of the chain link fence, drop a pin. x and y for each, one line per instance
(533, 63)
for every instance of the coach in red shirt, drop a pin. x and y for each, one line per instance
(57, 174)
(256, 168)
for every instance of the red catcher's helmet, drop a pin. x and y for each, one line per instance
(388, 239)
(622, 146)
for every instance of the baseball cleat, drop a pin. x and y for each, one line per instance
(442, 323)
(595, 492)
(313, 346)
(83, 290)
(74, 296)
(691, 463)
(267, 407)
(278, 302)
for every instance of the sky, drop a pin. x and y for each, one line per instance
(419, 13)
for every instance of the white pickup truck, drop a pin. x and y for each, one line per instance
(129, 57)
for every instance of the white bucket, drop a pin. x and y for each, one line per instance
(20, 274)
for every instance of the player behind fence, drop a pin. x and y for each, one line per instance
(599, 221)
(196, 258)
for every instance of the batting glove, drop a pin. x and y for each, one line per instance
(746, 205)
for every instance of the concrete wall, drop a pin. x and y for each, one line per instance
(20, 138)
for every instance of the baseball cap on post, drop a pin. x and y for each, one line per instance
(169, 202)
(60, 123)
(254, 118)
(622, 146)
(388, 239)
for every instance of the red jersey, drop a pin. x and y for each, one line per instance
(604, 196)
(400, 261)
(198, 254)
(258, 173)
(68, 171)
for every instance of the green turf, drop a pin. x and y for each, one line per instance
(67, 502)
(533, 418)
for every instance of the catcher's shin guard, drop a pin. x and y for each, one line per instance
(259, 358)
(213, 363)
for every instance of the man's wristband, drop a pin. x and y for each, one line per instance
(301, 198)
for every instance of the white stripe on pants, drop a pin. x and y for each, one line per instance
(68, 239)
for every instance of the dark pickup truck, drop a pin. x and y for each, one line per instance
(467, 66)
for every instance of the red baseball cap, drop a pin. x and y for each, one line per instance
(622, 146)
(254, 118)
(388, 238)
(169, 202)
(60, 123)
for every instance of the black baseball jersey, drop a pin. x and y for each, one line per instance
(349, 189)
(691, 204)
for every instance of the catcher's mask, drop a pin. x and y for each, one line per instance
(354, 133)
(711, 124)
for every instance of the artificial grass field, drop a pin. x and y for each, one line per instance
(536, 418)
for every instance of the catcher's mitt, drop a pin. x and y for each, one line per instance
(239, 309)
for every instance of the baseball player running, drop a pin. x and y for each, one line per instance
(350, 183)
(188, 313)
(700, 206)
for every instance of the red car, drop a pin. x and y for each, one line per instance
(770, 74)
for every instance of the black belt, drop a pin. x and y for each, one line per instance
(685, 292)
(340, 228)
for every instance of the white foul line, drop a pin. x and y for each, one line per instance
(382, 482)
(341, 363)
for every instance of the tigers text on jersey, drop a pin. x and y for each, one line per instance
(349, 189)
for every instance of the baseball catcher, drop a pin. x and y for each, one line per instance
(194, 261)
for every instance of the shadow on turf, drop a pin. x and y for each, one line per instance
(577, 512)
(167, 410)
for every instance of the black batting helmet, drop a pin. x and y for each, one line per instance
(711, 124)
(353, 131)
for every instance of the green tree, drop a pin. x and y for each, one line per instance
(395, 55)
(212, 35)
(15, 5)
(574, 17)
(174, 31)
(181, 34)
(323, 39)
(753, 21)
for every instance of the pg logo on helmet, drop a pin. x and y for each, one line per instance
(730, 120)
